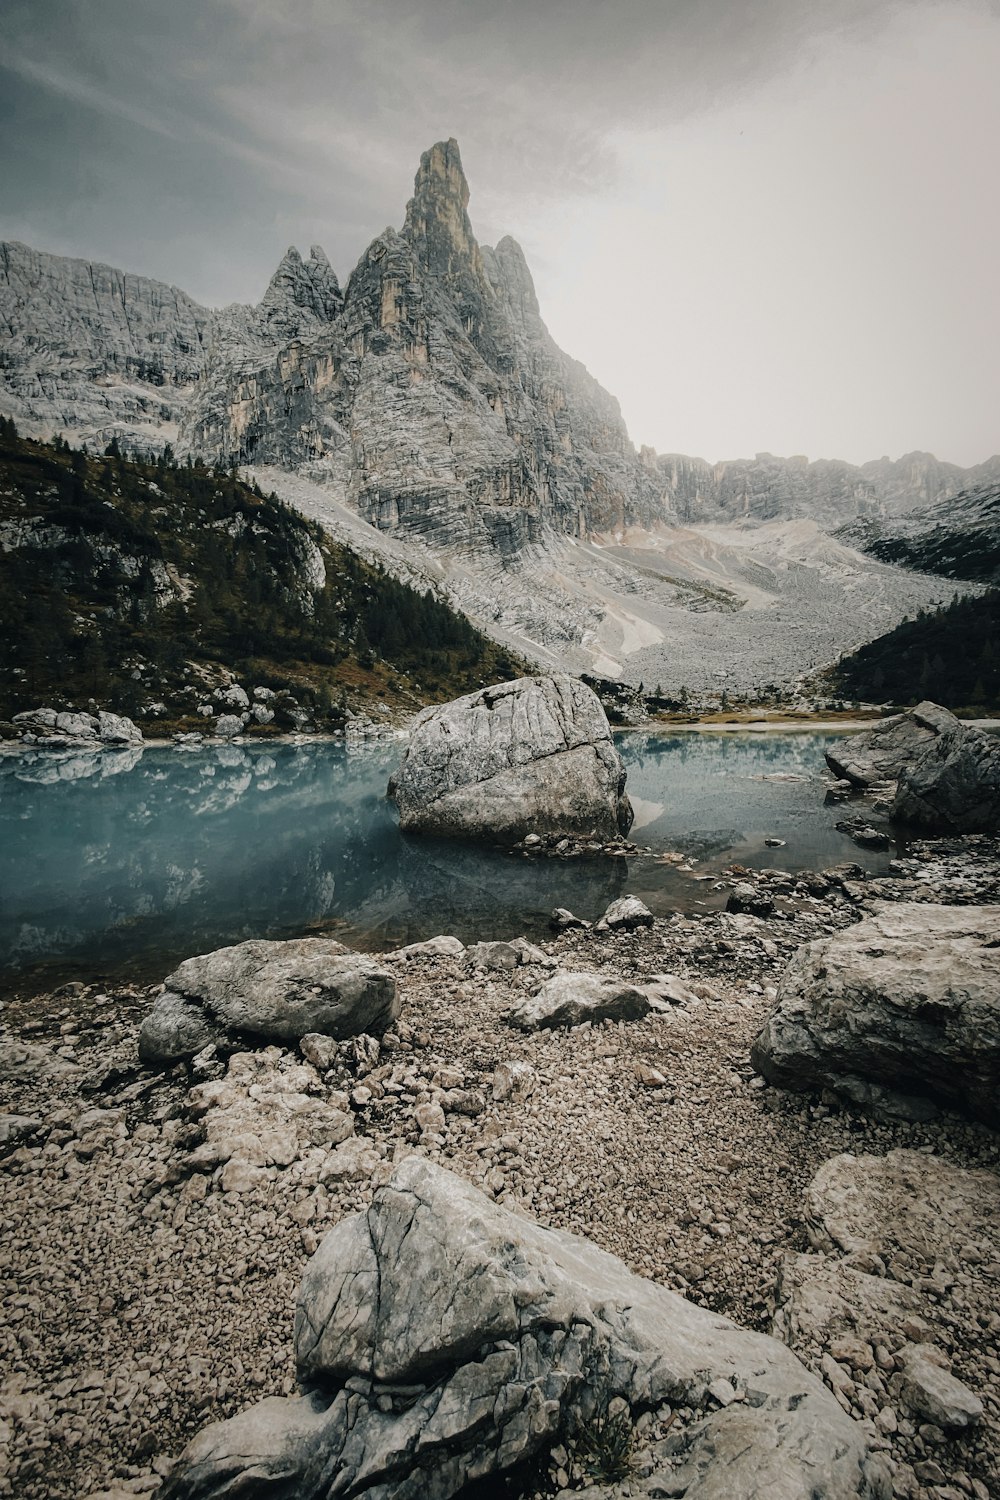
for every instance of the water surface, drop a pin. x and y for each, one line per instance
(120, 863)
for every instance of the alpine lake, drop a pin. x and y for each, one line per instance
(117, 864)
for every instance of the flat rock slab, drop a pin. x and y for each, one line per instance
(534, 756)
(268, 991)
(900, 1013)
(570, 999)
(443, 1339)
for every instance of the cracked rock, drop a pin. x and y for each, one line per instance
(441, 1339)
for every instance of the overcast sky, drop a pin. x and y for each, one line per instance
(769, 225)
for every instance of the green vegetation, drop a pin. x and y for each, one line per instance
(126, 582)
(950, 655)
(603, 1447)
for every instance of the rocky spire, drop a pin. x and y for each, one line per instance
(437, 221)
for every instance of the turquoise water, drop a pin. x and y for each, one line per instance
(119, 863)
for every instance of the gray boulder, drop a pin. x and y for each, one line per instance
(954, 786)
(228, 726)
(443, 1340)
(531, 756)
(265, 991)
(628, 913)
(947, 775)
(115, 729)
(882, 752)
(899, 1013)
(570, 999)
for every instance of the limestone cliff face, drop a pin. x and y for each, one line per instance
(88, 347)
(767, 488)
(432, 393)
(829, 491)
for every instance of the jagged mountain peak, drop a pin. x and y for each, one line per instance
(311, 285)
(437, 221)
(508, 271)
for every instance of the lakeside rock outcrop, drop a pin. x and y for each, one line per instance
(442, 1339)
(946, 773)
(47, 726)
(535, 756)
(901, 1012)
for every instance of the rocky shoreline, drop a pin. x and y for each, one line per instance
(145, 1295)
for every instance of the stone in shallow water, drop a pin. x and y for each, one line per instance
(531, 756)
(444, 1339)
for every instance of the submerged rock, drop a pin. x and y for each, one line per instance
(442, 1339)
(901, 1013)
(268, 991)
(531, 756)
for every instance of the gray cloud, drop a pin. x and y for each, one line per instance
(194, 140)
(297, 118)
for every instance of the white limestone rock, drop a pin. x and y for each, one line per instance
(269, 991)
(569, 999)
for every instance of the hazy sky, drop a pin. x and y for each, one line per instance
(768, 225)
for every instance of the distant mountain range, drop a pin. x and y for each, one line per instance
(427, 391)
(427, 398)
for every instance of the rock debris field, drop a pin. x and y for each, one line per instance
(150, 1250)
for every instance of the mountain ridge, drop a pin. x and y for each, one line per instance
(100, 353)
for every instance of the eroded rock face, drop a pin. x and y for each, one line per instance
(270, 991)
(442, 1339)
(901, 1012)
(531, 756)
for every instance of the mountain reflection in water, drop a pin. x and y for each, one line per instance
(122, 862)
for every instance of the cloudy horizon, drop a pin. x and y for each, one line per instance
(775, 231)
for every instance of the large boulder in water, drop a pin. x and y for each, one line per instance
(531, 756)
(442, 1341)
(900, 1012)
(269, 992)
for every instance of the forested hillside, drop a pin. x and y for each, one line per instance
(951, 655)
(145, 585)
